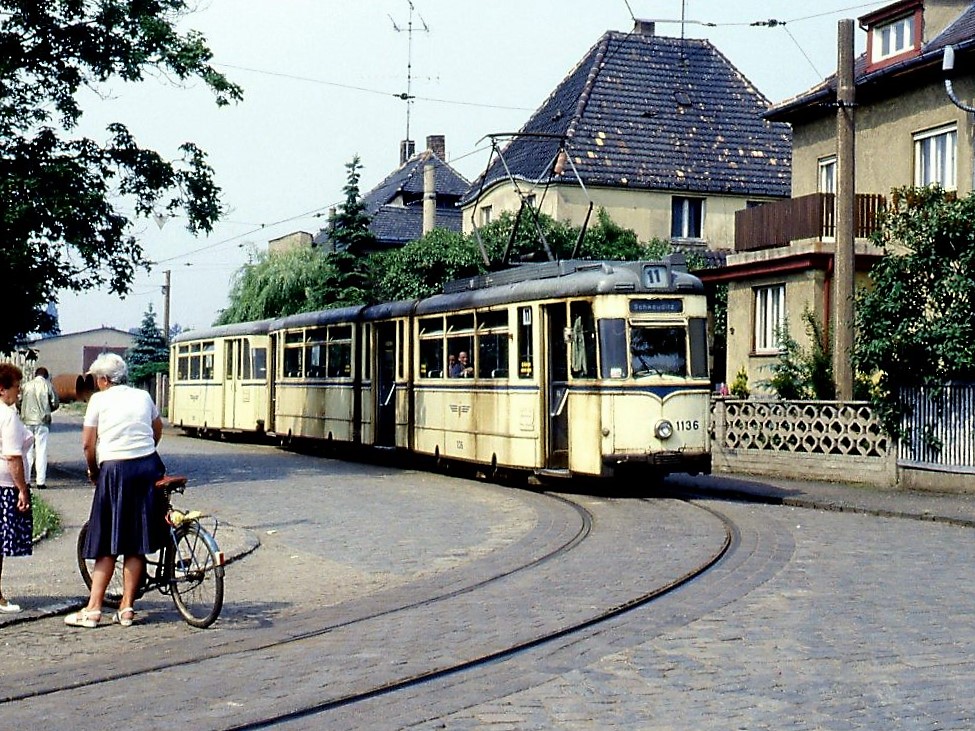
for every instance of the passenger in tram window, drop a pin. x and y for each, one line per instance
(462, 368)
(451, 363)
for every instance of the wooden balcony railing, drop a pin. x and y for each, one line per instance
(807, 217)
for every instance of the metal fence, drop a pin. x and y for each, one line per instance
(939, 428)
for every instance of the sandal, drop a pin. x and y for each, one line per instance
(85, 618)
(124, 616)
(9, 607)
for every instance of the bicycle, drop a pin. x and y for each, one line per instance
(189, 567)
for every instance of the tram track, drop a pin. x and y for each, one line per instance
(731, 539)
(177, 656)
(297, 638)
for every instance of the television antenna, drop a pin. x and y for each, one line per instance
(407, 96)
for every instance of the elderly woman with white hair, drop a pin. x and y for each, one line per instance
(121, 429)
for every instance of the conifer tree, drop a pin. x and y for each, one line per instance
(150, 354)
(353, 241)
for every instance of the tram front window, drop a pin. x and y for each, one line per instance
(658, 351)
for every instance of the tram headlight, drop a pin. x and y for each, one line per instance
(663, 429)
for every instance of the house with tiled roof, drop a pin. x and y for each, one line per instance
(396, 205)
(664, 133)
(907, 131)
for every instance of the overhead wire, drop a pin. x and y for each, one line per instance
(316, 212)
(367, 90)
(771, 23)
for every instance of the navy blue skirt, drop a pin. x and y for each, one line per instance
(126, 514)
(15, 527)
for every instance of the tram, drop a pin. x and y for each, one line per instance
(219, 379)
(573, 368)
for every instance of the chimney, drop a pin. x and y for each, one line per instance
(437, 144)
(429, 195)
(407, 148)
(644, 27)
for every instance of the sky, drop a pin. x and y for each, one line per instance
(322, 81)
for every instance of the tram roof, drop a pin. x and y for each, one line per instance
(569, 278)
(548, 280)
(319, 317)
(256, 327)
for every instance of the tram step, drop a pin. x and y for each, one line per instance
(551, 472)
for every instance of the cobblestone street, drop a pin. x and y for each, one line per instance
(349, 577)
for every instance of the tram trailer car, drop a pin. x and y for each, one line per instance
(219, 379)
(575, 368)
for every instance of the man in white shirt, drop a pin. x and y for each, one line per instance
(37, 400)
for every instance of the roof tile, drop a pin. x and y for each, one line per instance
(657, 113)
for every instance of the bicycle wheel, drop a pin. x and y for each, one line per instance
(113, 593)
(195, 568)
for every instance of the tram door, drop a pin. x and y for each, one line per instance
(385, 384)
(231, 382)
(239, 410)
(557, 393)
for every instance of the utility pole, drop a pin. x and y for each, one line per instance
(844, 255)
(166, 290)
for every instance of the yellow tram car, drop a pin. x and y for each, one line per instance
(563, 368)
(574, 368)
(219, 379)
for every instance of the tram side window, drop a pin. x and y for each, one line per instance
(401, 350)
(526, 354)
(259, 358)
(613, 357)
(460, 337)
(698, 329)
(492, 344)
(245, 359)
(582, 351)
(431, 358)
(658, 351)
(432, 363)
(291, 362)
(195, 362)
(228, 353)
(340, 351)
(183, 363)
(367, 352)
(315, 353)
(207, 365)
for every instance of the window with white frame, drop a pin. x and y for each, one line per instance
(687, 218)
(769, 318)
(935, 157)
(486, 213)
(891, 39)
(827, 174)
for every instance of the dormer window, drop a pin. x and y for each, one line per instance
(893, 39)
(893, 32)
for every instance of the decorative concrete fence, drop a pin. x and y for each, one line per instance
(818, 440)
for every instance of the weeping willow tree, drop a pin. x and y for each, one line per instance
(276, 284)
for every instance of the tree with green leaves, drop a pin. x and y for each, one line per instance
(276, 284)
(421, 268)
(61, 194)
(150, 354)
(915, 326)
(353, 241)
(800, 373)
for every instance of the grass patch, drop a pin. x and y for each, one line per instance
(46, 521)
(76, 408)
